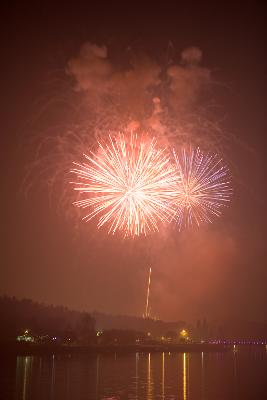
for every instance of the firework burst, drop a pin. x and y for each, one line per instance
(127, 184)
(203, 188)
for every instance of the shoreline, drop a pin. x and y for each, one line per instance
(50, 349)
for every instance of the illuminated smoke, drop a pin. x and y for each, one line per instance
(144, 94)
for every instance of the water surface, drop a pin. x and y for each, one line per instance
(240, 374)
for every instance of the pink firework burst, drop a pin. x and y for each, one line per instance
(203, 189)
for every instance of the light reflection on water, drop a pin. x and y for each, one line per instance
(163, 376)
(189, 376)
(202, 391)
(185, 376)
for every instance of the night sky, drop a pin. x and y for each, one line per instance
(218, 271)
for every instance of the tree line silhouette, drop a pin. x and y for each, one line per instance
(41, 320)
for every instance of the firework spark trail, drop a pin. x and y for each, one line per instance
(204, 187)
(127, 185)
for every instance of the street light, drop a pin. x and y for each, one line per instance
(184, 334)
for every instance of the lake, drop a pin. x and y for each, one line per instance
(239, 373)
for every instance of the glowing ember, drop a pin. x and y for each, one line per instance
(127, 184)
(203, 189)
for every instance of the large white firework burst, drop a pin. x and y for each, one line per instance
(127, 184)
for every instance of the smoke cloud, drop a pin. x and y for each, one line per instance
(140, 93)
(187, 79)
(91, 69)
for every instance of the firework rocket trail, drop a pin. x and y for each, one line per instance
(203, 189)
(127, 184)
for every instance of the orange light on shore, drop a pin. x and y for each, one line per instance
(184, 334)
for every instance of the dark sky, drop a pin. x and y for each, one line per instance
(217, 271)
